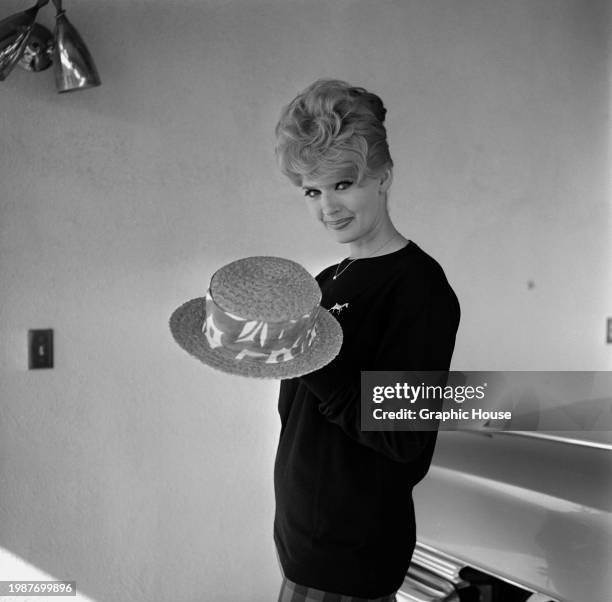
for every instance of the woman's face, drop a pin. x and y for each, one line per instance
(348, 211)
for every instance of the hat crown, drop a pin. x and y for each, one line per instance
(265, 288)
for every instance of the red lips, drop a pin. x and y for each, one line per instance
(339, 221)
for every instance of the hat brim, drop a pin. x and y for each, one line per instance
(186, 326)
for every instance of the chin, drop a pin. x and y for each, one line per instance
(343, 237)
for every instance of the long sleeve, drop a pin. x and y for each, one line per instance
(420, 337)
(344, 516)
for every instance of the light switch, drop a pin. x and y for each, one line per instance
(41, 348)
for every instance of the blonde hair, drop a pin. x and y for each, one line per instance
(332, 127)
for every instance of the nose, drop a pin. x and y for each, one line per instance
(328, 203)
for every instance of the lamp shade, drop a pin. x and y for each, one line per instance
(14, 34)
(74, 67)
(37, 53)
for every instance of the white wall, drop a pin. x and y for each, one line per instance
(132, 469)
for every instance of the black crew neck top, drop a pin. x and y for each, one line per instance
(344, 519)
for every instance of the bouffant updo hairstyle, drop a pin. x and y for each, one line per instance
(330, 128)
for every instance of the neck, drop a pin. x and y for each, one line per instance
(382, 243)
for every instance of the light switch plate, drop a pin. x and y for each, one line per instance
(40, 345)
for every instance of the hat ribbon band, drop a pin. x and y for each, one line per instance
(258, 340)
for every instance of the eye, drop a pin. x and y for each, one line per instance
(343, 185)
(311, 193)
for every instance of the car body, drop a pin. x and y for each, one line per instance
(511, 516)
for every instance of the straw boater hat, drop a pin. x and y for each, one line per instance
(261, 318)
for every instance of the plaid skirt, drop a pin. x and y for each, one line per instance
(292, 592)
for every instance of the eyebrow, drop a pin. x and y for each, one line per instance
(336, 180)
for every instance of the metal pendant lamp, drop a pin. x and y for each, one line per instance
(14, 34)
(34, 48)
(37, 53)
(73, 64)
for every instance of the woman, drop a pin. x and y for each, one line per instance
(344, 526)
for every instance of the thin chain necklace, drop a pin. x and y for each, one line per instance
(337, 274)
